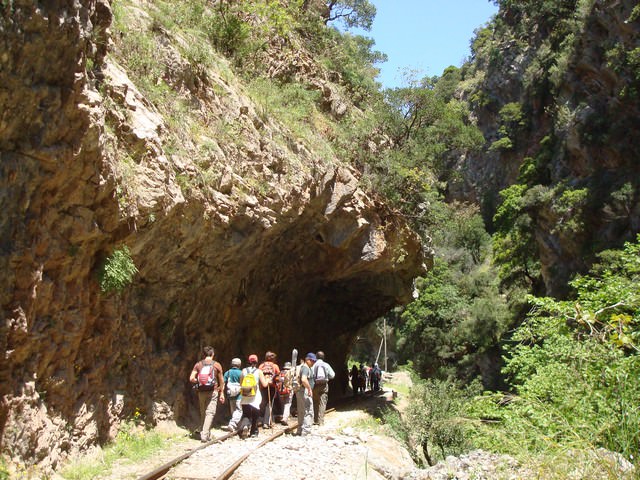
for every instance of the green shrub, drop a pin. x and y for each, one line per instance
(4, 473)
(118, 271)
(432, 422)
(569, 207)
(503, 143)
(574, 367)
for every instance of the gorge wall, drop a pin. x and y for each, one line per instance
(555, 90)
(258, 244)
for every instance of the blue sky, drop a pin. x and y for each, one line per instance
(425, 35)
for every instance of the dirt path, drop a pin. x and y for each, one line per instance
(346, 447)
(351, 445)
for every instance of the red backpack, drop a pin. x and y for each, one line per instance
(282, 386)
(268, 370)
(207, 376)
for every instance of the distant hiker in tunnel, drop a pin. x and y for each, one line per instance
(304, 396)
(252, 381)
(322, 373)
(363, 377)
(270, 397)
(375, 374)
(343, 378)
(355, 380)
(207, 377)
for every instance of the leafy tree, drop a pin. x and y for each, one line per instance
(428, 130)
(431, 421)
(514, 246)
(354, 13)
(459, 315)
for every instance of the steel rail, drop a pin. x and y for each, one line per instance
(234, 466)
(162, 470)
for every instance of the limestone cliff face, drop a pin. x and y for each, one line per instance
(278, 249)
(578, 94)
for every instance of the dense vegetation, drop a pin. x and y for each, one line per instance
(570, 364)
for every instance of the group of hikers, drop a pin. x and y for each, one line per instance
(261, 394)
(365, 378)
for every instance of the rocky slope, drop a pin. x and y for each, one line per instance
(556, 95)
(257, 243)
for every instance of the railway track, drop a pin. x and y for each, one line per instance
(239, 451)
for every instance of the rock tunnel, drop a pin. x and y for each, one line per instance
(310, 281)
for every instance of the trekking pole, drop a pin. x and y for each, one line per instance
(270, 406)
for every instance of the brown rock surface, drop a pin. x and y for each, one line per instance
(580, 110)
(281, 251)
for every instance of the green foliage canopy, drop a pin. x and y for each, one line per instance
(574, 364)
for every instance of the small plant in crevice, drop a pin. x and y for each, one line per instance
(118, 271)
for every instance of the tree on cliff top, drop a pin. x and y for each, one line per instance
(354, 13)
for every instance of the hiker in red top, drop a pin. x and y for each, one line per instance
(285, 391)
(207, 376)
(270, 397)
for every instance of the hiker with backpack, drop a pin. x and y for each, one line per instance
(252, 381)
(284, 386)
(304, 395)
(232, 384)
(364, 377)
(322, 373)
(375, 374)
(270, 398)
(207, 378)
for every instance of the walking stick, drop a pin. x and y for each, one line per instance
(270, 406)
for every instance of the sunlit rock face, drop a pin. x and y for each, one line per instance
(303, 263)
(579, 125)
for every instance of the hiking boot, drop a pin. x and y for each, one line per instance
(244, 433)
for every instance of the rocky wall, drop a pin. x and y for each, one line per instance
(579, 103)
(304, 265)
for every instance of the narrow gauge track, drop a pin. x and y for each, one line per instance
(163, 471)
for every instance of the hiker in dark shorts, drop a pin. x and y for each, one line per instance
(375, 373)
